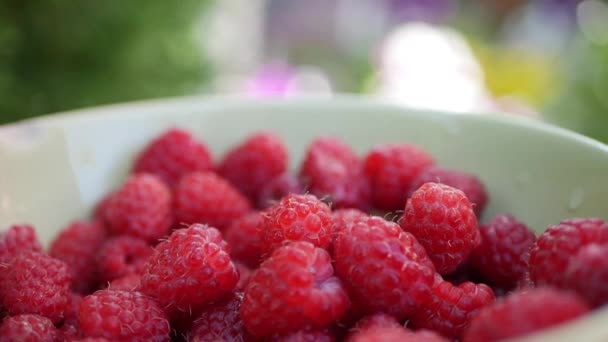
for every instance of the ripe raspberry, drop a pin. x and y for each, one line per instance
(553, 250)
(173, 155)
(378, 320)
(191, 268)
(77, 245)
(452, 307)
(93, 339)
(502, 256)
(391, 169)
(277, 188)
(294, 288)
(442, 219)
(244, 241)
(296, 218)
(28, 328)
(587, 274)
(522, 313)
(383, 267)
(204, 197)
(141, 208)
(305, 335)
(219, 322)
(342, 218)
(244, 276)
(256, 161)
(124, 316)
(122, 255)
(394, 334)
(334, 173)
(472, 187)
(129, 282)
(70, 329)
(70, 332)
(18, 238)
(101, 208)
(35, 283)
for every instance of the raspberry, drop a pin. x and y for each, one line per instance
(587, 274)
(452, 307)
(502, 255)
(122, 255)
(123, 315)
(36, 283)
(442, 219)
(277, 188)
(293, 289)
(383, 267)
(219, 322)
(93, 339)
(129, 282)
(141, 208)
(77, 245)
(522, 313)
(70, 332)
(305, 335)
(342, 218)
(472, 187)
(70, 328)
(256, 161)
(553, 250)
(391, 169)
(394, 334)
(101, 208)
(244, 241)
(173, 155)
(244, 276)
(18, 238)
(334, 173)
(28, 328)
(296, 218)
(204, 197)
(191, 268)
(379, 320)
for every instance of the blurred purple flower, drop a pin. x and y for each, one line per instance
(271, 80)
(433, 11)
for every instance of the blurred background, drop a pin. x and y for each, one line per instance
(545, 59)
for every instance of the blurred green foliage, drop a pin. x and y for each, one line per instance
(62, 54)
(583, 102)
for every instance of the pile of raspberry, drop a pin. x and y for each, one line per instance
(382, 248)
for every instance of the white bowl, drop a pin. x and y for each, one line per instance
(53, 169)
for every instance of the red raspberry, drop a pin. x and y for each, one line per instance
(173, 155)
(296, 218)
(294, 288)
(70, 328)
(77, 246)
(35, 283)
(70, 332)
(244, 241)
(18, 238)
(129, 282)
(101, 208)
(191, 268)
(472, 187)
(334, 173)
(122, 255)
(452, 307)
(305, 335)
(93, 339)
(502, 256)
(394, 334)
(277, 188)
(343, 218)
(442, 219)
(141, 208)
(522, 313)
(587, 274)
(378, 320)
(256, 161)
(123, 315)
(244, 276)
(204, 197)
(383, 267)
(391, 169)
(553, 250)
(28, 328)
(219, 322)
